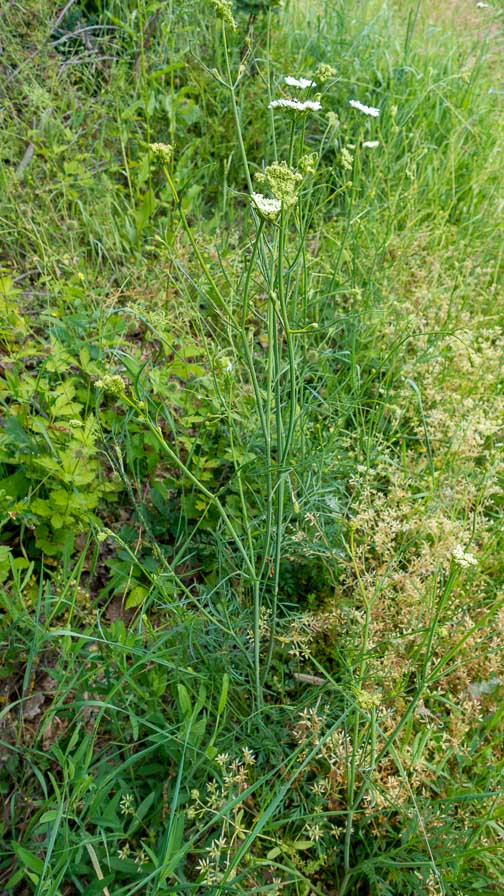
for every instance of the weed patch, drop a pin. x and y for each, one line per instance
(250, 449)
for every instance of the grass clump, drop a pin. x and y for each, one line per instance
(250, 450)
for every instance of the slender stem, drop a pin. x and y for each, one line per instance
(218, 301)
(352, 801)
(269, 392)
(268, 79)
(248, 275)
(156, 431)
(236, 113)
(291, 140)
(280, 474)
(292, 381)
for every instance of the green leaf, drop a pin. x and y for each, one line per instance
(224, 693)
(184, 700)
(33, 863)
(49, 816)
(302, 844)
(136, 597)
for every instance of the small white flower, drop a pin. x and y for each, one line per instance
(268, 208)
(482, 5)
(222, 759)
(463, 558)
(367, 110)
(301, 83)
(371, 144)
(248, 756)
(296, 105)
(127, 804)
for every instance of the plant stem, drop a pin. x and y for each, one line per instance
(236, 114)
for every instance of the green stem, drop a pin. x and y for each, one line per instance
(156, 431)
(280, 474)
(352, 802)
(268, 80)
(236, 114)
(217, 301)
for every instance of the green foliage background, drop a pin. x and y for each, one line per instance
(135, 752)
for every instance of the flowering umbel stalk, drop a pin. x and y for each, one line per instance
(273, 381)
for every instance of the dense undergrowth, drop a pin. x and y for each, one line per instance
(251, 595)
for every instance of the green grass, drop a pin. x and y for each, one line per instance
(250, 469)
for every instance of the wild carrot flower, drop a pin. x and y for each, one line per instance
(296, 105)
(308, 163)
(333, 120)
(463, 558)
(282, 181)
(346, 159)
(113, 383)
(324, 72)
(162, 151)
(367, 110)
(269, 209)
(224, 10)
(301, 83)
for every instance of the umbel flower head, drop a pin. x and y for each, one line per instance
(325, 72)
(463, 558)
(224, 10)
(300, 83)
(308, 163)
(367, 110)
(162, 151)
(296, 105)
(282, 181)
(269, 209)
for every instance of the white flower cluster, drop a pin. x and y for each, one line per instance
(301, 83)
(367, 110)
(296, 105)
(463, 558)
(370, 144)
(267, 208)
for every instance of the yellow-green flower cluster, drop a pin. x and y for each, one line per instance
(224, 10)
(324, 72)
(308, 163)
(112, 383)
(346, 159)
(282, 181)
(162, 151)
